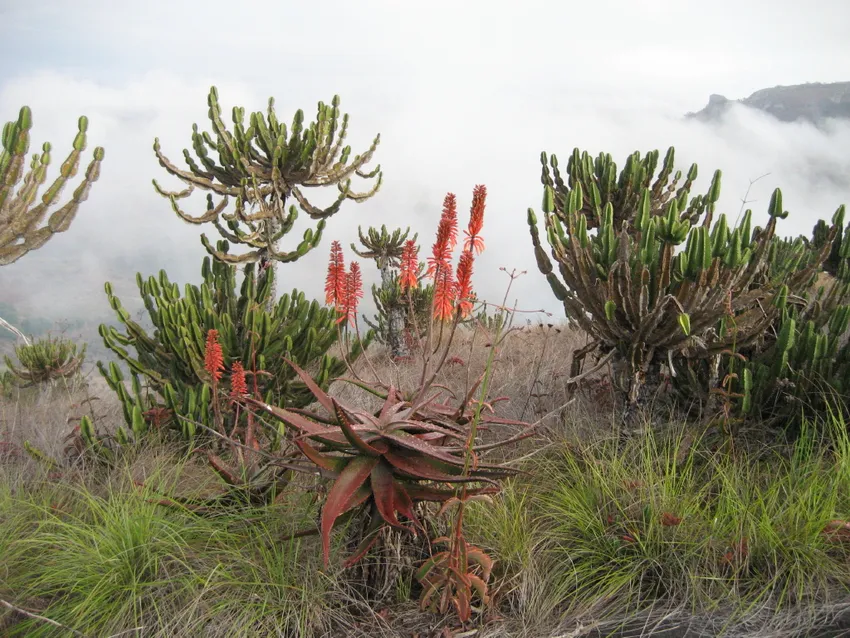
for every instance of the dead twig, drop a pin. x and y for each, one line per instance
(31, 614)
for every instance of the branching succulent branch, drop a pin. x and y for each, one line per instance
(384, 247)
(633, 286)
(387, 249)
(22, 220)
(259, 168)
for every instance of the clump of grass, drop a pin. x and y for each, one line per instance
(106, 558)
(104, 564)
(510, 529)
(668, 520)
(252, 580)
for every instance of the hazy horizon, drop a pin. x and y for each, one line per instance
(461, 94)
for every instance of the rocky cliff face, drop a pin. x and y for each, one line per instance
(808, 102)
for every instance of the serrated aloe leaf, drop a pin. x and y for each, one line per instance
(292, 419)
(418, 445)
(404, 503)
(324, 461)
(413, 427)
(342, 494)
(321, 396)
(476, 555)
(480, 587)
(383, 490)
(346, 424)
(369, 538)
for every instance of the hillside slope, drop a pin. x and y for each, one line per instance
(814, 102)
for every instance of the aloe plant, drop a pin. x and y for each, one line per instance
(388, 459)
(417, 447)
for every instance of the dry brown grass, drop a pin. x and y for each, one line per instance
(531, 370)
(45, 414)
(529, 383)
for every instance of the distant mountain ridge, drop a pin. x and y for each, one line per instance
(813, 102)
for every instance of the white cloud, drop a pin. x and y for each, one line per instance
(461, 94)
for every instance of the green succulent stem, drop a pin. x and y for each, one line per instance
(263, 164)
(24, 224)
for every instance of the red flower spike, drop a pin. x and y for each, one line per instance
(463, 285)
(450, 213)
(238, 384)
(353, 293)
(446, 236)
(409, 266)
(335, 283)
(473, 240)
(213, 356)
(344, 495)
(444, 292)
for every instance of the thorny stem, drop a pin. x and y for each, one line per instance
(426, 350)
(412, 313)
(468, 360)
(219, 423)
(485, 384)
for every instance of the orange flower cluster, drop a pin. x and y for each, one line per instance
(238, 384)
(213, 356)
(353, 292)
(473, 240)
(343, 290)
(446, 237)
(335, 281)
(452, 291)
(409, 267)
(455, 292)
(463, 285)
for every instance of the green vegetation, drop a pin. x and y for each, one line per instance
(670, 521)
(260, 168)
(254, 329)
(267, 471)
(21, 229)
(46, 359)
(111, 559)
(391, 323)
(666, 289)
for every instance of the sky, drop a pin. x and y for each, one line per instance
(462, 93)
